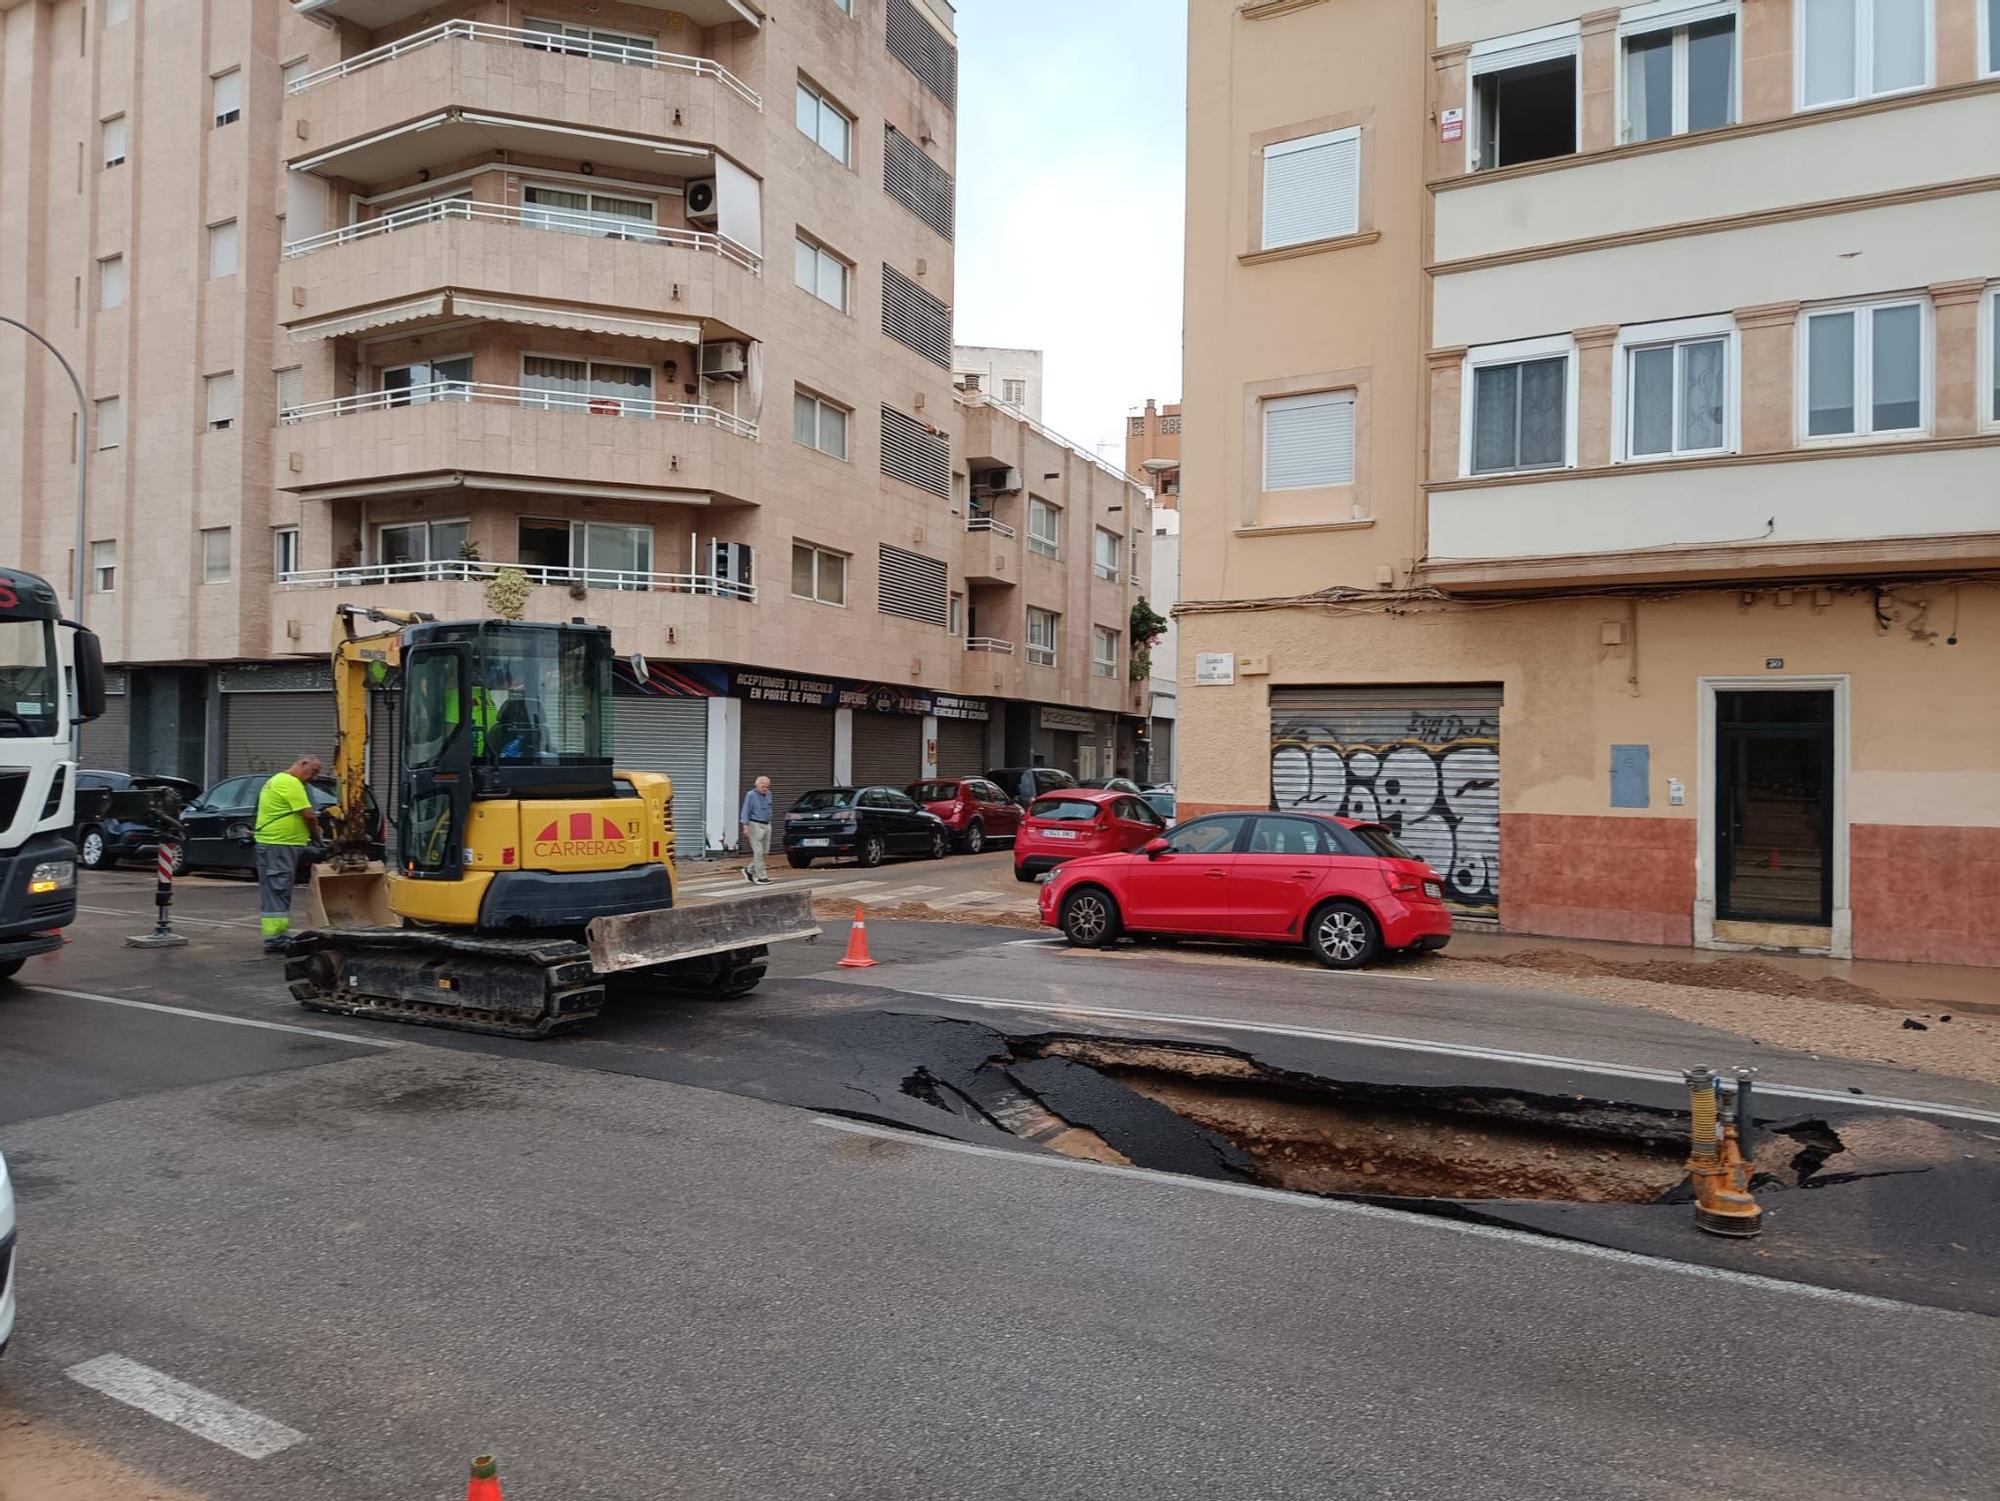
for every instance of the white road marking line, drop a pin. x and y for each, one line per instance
(201, 1413)
(845, 886)
(904, 893)
(1398, 1216)
(216, 1016)
(976, 899)
(199, 922)
(1027, 943)
(1467, 1050)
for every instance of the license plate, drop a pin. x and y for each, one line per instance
(1432, 889)
(815, 844)
(1058, 833)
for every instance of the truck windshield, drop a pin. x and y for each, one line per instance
(28, 684)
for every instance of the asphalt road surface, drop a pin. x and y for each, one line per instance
(376, 1251)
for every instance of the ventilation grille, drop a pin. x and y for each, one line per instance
(911, 316)
(921, 48)
(915, 181)
(913, 586)
(913, 453)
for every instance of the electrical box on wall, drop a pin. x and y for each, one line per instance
(1631, 775)
(1253, 667)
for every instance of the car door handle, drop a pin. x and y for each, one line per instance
(1214, 875)
(1304, 875)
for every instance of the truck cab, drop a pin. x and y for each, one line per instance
(51, 681)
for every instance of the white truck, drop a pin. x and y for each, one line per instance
(51, 681)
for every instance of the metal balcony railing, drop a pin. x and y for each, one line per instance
(470, 570)
(540, 41)
(989, 643)
(562, 221)
(988, 524)
(522, 396)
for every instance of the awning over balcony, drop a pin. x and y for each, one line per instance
(455, 304)
(453, 134)
(432, 484)
(372, 15)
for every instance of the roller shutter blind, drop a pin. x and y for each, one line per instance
(107, 739)
(888, 749)
(961, 749)
(792, 746)
(1312, 188)
(670, 736)
(1309, 440)
(269, 731)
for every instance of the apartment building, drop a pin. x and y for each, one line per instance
(1012, 376)
(1593, 455)
(652, 302)
(1153, 449)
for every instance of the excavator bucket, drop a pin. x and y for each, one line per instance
(640, 940)
(340, 899)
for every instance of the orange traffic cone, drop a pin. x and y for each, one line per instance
(485, 1482)
(857, 944)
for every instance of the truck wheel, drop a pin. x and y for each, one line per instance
(10, 968)
(798, 862)
(92, 850)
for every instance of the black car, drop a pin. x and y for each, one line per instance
(104, 837)
(865, 823)
(1026, 783)
(217, 828)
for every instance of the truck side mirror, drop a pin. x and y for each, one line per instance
(89, 654)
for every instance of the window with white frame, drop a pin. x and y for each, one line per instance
(410, 542)
(1308, 440)
(1312, 188)
(596, 386)
(819, 423)
(1989, 39)
(111, 282)
(290, 391)
(1680, 68)
(226, 96)
(1103, 651)
(1865, 369)
(1856, 49)
(219, 400)
(1993, 352)
(215, 555)
(293, 73)
(113, 140)
(1104, 554)
(109, 420)
(428, 380)
(103, 567)
(1524, 98)
(611, 216)
(284, 552)
(1133, 549)
(818, 573)
(825, 123)
(1042, 628)
(844, 5)
(591, 41)
(1044, 527)
(1014, 392)
(1519, 406)
(222, 249)
(612, 556)
(820, 272)
(1679, 389)
(956, 623)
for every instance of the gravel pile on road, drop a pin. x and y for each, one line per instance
(1756, 976)
(921, 912)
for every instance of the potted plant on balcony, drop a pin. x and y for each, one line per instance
(507, 593)
(1147, 626)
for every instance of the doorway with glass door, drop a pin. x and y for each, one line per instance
(1774, 773)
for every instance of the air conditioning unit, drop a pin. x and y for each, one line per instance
(725, 361)
(729, 565)
(999, 482)
(699, 202)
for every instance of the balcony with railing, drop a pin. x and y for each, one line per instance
(474, 571)
(989, 643)
(992, 551)
(449, 91)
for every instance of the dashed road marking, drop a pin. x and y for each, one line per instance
(201, 1413)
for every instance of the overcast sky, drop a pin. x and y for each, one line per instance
(1071, 141)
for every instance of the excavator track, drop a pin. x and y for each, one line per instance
(504, 987)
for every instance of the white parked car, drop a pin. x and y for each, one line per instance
(6, 1256)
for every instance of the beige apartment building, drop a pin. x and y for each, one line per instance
(374, 298)
(1593, 455)
(1153, 449)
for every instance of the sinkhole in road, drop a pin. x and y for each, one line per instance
(1216, 1113)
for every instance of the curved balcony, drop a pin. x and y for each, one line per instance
(472, 433)
(516, 252)
(451, 90)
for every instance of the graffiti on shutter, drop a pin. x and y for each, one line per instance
(1424, 761)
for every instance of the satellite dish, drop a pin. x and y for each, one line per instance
(640, 669)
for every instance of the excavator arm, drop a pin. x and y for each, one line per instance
(356, 651)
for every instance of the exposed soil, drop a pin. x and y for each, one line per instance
(1757, 976)
(833, 907)
(40, 1461)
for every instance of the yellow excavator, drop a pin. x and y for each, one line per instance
(528, 875)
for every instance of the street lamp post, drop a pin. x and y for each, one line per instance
(82, 464)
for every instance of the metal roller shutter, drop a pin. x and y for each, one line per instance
(106, 743)
(792, 746)
(961, 750)
(1423, 760)
(269, 731)
(385, 752)
(670, 735)
(888, 749)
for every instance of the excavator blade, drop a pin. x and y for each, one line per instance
(340, 899)
(640, 940)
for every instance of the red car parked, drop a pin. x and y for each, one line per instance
(1346, 890)
(1079, 821)
(973, 809)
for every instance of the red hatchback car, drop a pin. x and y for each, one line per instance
(973, 809)
(1079, 821)
(1345, 889)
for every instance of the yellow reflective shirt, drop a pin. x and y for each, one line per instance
(278, 807)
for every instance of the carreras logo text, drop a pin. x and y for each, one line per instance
(580, 834)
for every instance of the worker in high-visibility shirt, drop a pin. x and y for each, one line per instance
(286, 824)
(482, 714)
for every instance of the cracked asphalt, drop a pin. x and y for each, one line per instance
(626, 1282)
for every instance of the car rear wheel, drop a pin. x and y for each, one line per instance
(975, 837)
(10, 968)
(1090, 918)
(940, 844)
(92, 850)
(871, 851)
(1027, 876)
(798, 862)
(1343, 935)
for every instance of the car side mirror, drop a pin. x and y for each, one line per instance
(1154, 848)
